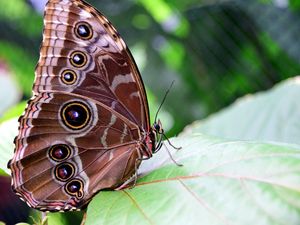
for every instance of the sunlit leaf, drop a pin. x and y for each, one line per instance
(13, 9)
(13, 112)
(267, 116)
(8, 131)
(64, 218)
(20, 63)
(56, 219)
(220, 182)
(9, 93)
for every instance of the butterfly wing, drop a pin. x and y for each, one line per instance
(84, 129)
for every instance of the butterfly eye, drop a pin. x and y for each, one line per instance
(75, 187)
(156, 127)
(75, 115)
(83, 31)
(64, 171)
(69, 77)
(78, 59)
(59, 152)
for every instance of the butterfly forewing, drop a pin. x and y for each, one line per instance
(87, 125)
(109, 72)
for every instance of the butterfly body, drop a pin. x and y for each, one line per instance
(87, 127)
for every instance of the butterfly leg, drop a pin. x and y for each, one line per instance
(177, 148)
(131, 182)
(135, 176)
(83, 219)
(44, 218)
(159, 143)
(171, 157)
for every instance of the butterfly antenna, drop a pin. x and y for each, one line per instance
(162, 102)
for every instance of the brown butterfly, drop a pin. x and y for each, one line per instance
(87, 127)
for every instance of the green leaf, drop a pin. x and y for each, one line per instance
(56, 219)
(9, 93)
(64, 218)
(8, 131)
(13, 9)
(14, 112)
(294, 4)
(221, 182)
(2, 173)
(267, 116)
(23, 69)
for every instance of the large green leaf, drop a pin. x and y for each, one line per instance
(268, 116)
(221, 182)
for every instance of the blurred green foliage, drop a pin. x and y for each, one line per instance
(215, 51)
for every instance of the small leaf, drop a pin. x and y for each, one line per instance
(221, 182)
(2, 173)
(64, 218)
(8, 130)
(14, 111)
(9, 93)
(56, 219)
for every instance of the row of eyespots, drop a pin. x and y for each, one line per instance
(78, 59)
(75, 115)
(65, 170)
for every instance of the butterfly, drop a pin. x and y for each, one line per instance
(87, 126)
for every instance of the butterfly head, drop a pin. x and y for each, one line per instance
(154, 138)
(157, 127)
(159, 135)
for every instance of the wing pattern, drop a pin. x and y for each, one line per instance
(87, 124)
